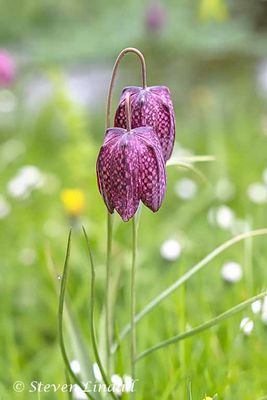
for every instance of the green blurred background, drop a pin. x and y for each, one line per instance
(212, 54)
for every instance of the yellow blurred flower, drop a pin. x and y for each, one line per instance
(73, 201)
(207, 398)
(213, 10)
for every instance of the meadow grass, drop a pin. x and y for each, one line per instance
(219, 119)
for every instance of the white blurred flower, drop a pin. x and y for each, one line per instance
(128, 383)
(232, 272)
(27, 256)
(17, 188)
(246, 326)
(32, 176)
(4, 207)
(186, 188)
(225, 217)
(97, 372)
(27, 179)
(117, 384)
(78, 393)
(170, 250)
(75, 366)
(225, 189)
(256, 307)
(257, 193)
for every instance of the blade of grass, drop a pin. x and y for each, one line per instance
(171, 386)
(203, 327)
(189, 391)
(197, 267)
(60, 320)
(78, 344)
(92, 326)
(190, 159)
(69, 394)
(196, 171)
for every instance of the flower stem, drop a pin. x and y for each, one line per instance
(128, 112)
(108, 294)
(109, 216)
(133, 298)
(92, 325)
(114, 73)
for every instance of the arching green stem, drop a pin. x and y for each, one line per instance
(114, 73)
(108, 308)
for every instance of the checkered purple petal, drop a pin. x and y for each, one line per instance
(130, 168)
(150, 106)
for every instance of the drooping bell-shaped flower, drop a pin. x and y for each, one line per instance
(131, 168)
(150, 106)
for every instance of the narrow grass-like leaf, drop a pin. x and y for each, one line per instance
(60, 320)
(171, 386)
(203, 327)
(190, 159)
(197, 267)
(196, 171)
(68, 383)
(78, 344)
(92, 327)
(189, 391)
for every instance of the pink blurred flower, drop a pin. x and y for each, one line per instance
(155, 17)
(7, 68)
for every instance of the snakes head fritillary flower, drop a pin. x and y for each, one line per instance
(7, 68)
(130, 169)
(150, 106)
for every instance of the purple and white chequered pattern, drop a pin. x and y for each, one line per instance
(131, 168)
(150, 106)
